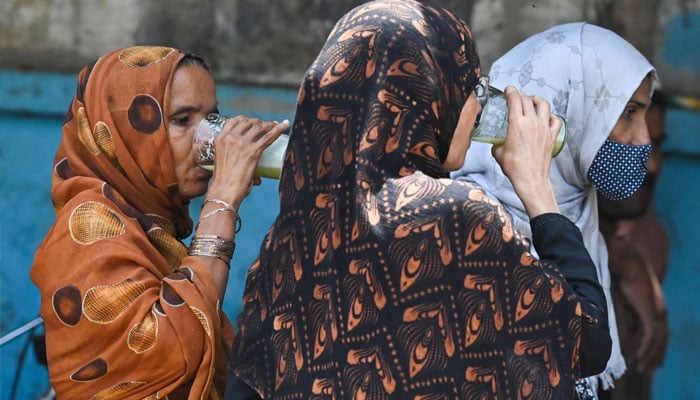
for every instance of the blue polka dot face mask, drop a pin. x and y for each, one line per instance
(618, 169)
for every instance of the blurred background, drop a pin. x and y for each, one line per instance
(259, 51)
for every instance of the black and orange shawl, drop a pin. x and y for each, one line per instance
(381, 278)
(127, 315)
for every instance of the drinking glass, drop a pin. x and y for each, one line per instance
(492, 123)
(271, 161)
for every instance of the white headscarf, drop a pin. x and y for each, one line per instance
(588, 74)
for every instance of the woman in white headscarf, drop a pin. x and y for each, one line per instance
(602, 85)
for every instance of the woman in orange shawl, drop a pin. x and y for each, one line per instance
(129, 311)
(381, 278)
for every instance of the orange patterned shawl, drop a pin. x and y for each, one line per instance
(126, 313)
(381, 278)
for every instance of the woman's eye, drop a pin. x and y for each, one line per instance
(182, 120)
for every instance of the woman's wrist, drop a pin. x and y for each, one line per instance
(215, 233)
(218, 217)
(212, 246)
(232, 199)
(538, 199)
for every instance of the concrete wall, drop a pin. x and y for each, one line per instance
(247, 41)
(272, 42)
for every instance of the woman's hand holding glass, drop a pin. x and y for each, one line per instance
(238, 149)
(526, 155)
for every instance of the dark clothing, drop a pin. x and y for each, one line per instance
(557, 239)
(380, 278)
(236, 389)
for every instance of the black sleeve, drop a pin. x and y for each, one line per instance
(559, 240)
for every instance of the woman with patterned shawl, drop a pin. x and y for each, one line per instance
(602, 85)
(129, 311)
(383, 279)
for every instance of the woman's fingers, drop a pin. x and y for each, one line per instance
(528, 105)
(555, 123)
(515, 104)
(276, 129)
(542, 107)
(253, 132)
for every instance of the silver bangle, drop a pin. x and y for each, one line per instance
(212, 246)
(227, 207)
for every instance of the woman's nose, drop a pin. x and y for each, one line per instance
(641, 136)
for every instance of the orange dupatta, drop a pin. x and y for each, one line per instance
(126, 313)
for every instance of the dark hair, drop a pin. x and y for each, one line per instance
(191, 59)
(659, 99)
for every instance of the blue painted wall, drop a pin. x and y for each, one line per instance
(678, 201)
(31, 114)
